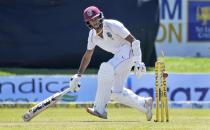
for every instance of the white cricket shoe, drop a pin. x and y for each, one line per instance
(92, 111)
(148, 106)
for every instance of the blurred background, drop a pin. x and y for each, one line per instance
(53, 34)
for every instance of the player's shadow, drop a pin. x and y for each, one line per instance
(90, 121)
(107, 121)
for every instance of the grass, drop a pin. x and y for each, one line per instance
(173, 64)
(179, 64)
(119, 119)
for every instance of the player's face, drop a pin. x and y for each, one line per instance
(95, 22)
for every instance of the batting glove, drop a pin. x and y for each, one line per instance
(75, 82)
(139, 69)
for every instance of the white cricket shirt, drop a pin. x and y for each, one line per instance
(114, 34)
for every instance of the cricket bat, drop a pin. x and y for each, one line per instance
(35, 110)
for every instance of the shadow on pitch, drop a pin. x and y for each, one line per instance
(106, 121)
(92, 121)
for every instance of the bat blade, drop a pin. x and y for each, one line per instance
(32, 112)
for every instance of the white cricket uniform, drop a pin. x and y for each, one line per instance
(113, 41)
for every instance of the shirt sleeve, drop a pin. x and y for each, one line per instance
(91, 45)
(119, 29)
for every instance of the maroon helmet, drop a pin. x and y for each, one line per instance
(92, 12)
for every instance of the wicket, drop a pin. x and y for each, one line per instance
(161, 92)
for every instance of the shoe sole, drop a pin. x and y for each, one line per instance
(95, 114)
(150, 104)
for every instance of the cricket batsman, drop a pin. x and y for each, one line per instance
(112, 36)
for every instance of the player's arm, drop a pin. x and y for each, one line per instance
(122, 31)
(139, 68)
(75, 79)
(85, 61)
(135, 45)
(119, 29)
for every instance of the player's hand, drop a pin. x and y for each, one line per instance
(75, 82)
(139, 69)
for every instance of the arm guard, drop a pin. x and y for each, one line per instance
(136, 50)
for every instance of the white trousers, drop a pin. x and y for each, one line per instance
(121, 63)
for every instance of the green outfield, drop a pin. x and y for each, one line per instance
(173, 64)
(183, 64)
(119, 119)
